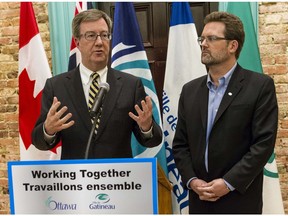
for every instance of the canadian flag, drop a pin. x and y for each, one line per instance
(33, 72)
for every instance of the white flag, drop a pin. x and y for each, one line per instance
(183, 64)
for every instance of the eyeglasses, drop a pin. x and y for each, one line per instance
(210, 39)
(92, 36)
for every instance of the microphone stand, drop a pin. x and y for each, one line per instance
(92, 132)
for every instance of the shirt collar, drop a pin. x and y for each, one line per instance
(85, 74)
(226, 78)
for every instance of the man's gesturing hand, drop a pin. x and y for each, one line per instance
(144, 118)
(54, 121)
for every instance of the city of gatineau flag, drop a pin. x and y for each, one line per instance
(33, 72)
(250, 59)
(182, 65)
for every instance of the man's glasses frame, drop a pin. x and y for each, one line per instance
(92, 36)
(210, 39)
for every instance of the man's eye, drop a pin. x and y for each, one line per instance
(90, 35)
(210, 38)
(104, 35)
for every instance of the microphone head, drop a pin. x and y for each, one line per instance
(106, 86)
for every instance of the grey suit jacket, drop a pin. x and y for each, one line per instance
(240, 143)
(114, 134)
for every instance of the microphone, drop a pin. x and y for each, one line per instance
(103, 89)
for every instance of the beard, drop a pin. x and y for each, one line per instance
(209, 59)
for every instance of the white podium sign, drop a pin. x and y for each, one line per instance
(104, 186)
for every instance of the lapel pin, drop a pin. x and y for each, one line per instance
(230, 93)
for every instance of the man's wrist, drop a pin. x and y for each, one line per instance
(147, 134)
(48, 138)
(189, 182)
(228, 186)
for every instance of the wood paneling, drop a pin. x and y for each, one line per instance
(153, 19)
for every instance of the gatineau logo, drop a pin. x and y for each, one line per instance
(102, 198)
(101, 202)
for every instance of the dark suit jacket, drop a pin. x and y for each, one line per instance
(241, 140)
(114, 134)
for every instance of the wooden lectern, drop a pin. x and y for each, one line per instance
(164, 193)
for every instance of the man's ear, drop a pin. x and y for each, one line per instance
(233, 46)
(76, 41)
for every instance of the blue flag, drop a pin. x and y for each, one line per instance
(128, 55)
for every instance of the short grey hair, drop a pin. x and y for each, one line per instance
(86, 16)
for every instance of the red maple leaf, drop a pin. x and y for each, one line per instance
(29, 109)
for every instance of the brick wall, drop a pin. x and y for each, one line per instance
(9, 140)
(273, 40)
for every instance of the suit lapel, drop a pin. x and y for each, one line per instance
(234, 86)
(204, 103)
(74, 85)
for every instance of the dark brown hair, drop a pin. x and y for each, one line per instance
(234, 29)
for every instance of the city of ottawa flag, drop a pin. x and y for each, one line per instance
(33, 72)
(183, 64)
(129, 56)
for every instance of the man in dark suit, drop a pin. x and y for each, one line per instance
(65, 113)
(227, 125)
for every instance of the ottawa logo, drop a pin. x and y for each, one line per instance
(59, 206)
